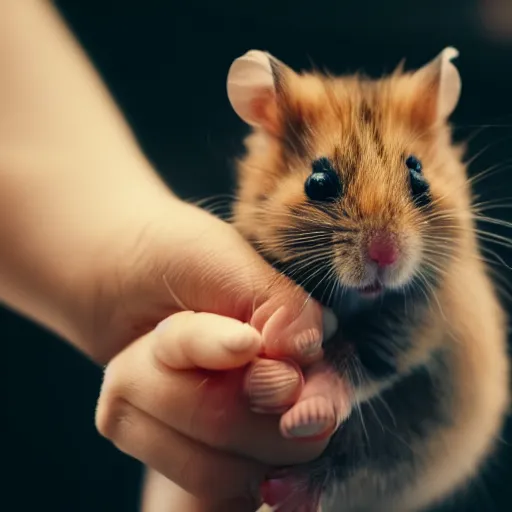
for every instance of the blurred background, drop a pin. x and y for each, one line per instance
(165, 63)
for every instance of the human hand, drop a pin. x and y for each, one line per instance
(166, 399)
(95, 247)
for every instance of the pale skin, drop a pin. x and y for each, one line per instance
(91, 249)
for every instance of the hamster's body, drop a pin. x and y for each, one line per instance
(422, 336)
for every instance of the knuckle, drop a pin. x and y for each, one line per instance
(193, 474)
(220, 434)
(179, 323)
(113, 410)
(112, 417)
(175, 341)
(174, 329)
(202, 477)
(215, 406)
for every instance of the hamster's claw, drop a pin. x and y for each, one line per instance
(313, 419)
(325, 401)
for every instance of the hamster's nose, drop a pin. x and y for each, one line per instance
(383, 249)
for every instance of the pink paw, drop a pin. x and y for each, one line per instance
(290, 332)
(325, 401)
(311, 418)
(290, 494)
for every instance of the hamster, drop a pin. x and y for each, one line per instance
(353, 188)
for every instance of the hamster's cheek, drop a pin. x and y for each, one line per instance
(349, 265)
(410, 262)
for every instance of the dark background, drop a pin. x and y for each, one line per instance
(166, 64)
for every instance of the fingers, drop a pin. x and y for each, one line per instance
(208, 406)
(295, 328)
(163, 495)
(198, 469)
(189, 340)
(208, 265)
(273, 386)
(213, 269)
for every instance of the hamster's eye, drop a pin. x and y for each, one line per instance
(323, 186)
(322, 164)
(413, 164)
(419, 185)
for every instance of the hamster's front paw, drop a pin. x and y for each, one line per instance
(324, 403)
(290, 493)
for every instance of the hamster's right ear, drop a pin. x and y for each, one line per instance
(255, 81)
(443, 82)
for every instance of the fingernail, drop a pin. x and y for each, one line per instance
(308, 430)
(330, 323)
(276, 491)
(272, 385)
(242, 338)
(309, 342)
(162, 325)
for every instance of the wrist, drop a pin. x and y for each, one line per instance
(103, 306)
(55, 257)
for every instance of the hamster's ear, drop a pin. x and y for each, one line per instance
(254, 82)
(443, 81)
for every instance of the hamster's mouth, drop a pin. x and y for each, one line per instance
(372, 290)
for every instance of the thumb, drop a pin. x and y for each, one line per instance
(188, 259)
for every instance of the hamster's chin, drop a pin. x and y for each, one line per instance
(381, 283)
(371, 291)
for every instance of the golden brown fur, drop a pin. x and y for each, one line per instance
(367, 128)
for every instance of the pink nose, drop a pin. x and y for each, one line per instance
(383, 250)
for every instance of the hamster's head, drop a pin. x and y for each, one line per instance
(350, 182)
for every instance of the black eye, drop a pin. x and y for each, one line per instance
(419, 185)
(322, 165)
(413, 164)
(324, 183)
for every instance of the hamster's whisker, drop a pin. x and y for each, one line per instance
(335, 285)
(430, 265)
(300, 265)
(305, 274)
(492, 220)
(307, 254)
(419, 281)
(495, 255)
(372, 408)
(492, 204)
(324, 278)
(485, 149)
(292, 242)
(488, 172)
(471, 181)
(216, 197)
(305, 236)
(437, 238)
(494, 238)
(354, 368)
(379, 397)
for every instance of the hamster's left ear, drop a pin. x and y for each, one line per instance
(443, 79)
(257, 89)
